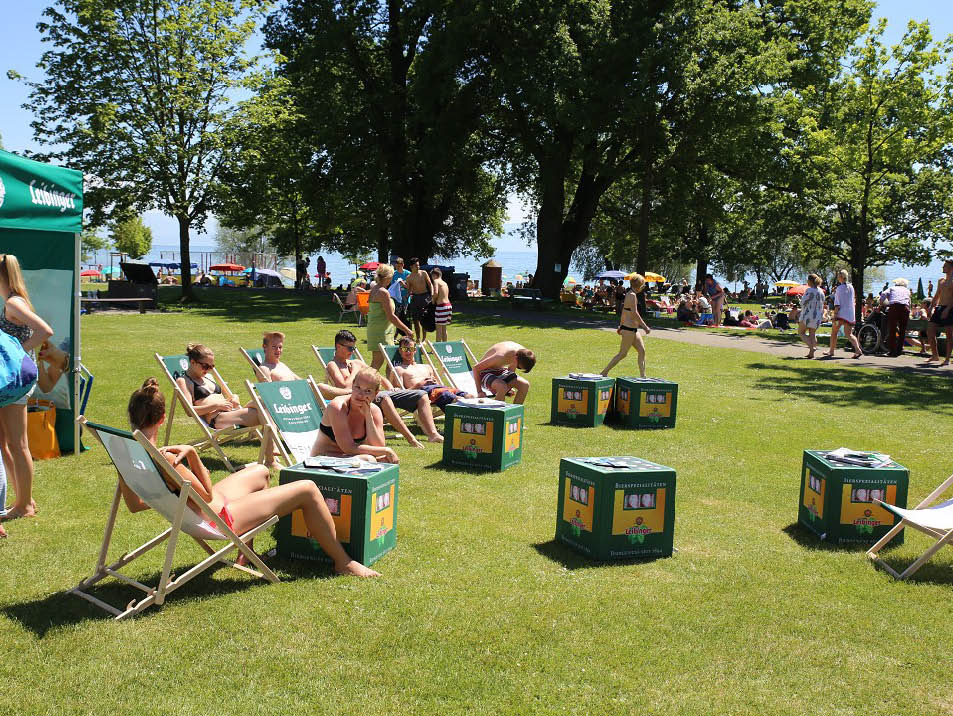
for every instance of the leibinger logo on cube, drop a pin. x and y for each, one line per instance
(285, 392)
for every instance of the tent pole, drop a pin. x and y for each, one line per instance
(77, 351)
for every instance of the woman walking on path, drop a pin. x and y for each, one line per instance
(381, 318)
(812, 313)
(843, 315)
(18, 319)
(629, 325)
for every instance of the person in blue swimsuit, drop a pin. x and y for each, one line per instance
(716, 297)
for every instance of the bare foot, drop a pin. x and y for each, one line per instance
(3, 532)
(856, 356)
(242, 560)
(933, 359)
(15, 513)
(435, 438)
(810, 353)
(946, 362)
(414, 442)
(356, 569)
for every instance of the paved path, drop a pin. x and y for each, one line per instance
(716, 339)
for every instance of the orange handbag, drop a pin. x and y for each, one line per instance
(41, 429)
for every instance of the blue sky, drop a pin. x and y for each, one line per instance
(20, 48)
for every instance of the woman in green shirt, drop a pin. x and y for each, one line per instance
(381, 319)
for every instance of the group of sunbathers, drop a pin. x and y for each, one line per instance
(352, 425)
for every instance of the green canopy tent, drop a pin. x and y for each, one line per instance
(41, 217)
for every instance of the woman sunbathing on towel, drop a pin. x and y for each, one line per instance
(353, 426)
(243, 499)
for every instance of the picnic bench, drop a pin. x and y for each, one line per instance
(532, 297)
(89, 303)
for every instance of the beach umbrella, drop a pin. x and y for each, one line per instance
(288, 272)
(519, 277)
(654, 277)
(796, 290)
(90, 272)
(786, 284)
(570, 279)
(370, 266)
(611, 274)
(111, 270)
(226, 267)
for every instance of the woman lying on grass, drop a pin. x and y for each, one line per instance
(353, 426)
(243, 499)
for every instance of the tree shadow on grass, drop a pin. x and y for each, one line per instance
(807, 539)
(63, 609)
(560, 553)
(255, 305)
(850, 387)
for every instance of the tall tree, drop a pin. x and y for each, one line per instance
(873, 145)
(131, 236)
(390, 97)
(139, 95)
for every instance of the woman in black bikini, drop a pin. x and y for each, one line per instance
(208, 400)
(243, 499)
(353, 426)
(629, 326)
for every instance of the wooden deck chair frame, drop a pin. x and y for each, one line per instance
(168, 582)
(942, 537)
(449, 376)
(213, 438)
(344, 310)
(280, 444)
(256, 366)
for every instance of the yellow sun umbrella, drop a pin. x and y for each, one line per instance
(570, 279)
(654, 277)
(786, 284)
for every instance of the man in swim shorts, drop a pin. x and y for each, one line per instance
(419, 376)
(441, 299)
(495, 374)
(421, 294)
(941, 315)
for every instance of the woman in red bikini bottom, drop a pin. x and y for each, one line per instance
(243, 499)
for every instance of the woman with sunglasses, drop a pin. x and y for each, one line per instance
(211, 404)
(243, 499)
(18, 319)
(353, 426)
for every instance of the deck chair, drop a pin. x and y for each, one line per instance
(457, 361)
(149, 475)
(173, 367)
(255, 356)
(363, 304)
(293, 411)
(339, 304)
(935, 521)
(391, 354)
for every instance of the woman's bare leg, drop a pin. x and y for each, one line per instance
(250, 479)
(377, 359)
(304, 495)
(835, 329)
(247, 417)
(640, 347)
(627, 340)
(13, 419)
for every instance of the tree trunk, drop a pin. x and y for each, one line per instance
(701, 268)
(645, 211)
(857, 280)
(185, 259)
(383, 245)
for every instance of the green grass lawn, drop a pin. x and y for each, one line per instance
(479, 610)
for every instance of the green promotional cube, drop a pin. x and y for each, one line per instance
(363, 503)
(837, 499)
(483, 433)
(616, 507)
(645, 402)
(581, 399)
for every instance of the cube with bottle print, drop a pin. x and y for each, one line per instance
(645, 402)
(581, 399)
(483, 433)
(616, 507)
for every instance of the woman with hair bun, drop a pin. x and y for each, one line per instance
(629, 325)
(18, 319)
(243, 499)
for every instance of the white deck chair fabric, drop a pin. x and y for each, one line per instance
(149, 475)
(938, 517)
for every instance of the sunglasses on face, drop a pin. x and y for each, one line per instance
(349, 349)
(408, 349)
(206, 366)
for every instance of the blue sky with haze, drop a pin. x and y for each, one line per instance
(20, 48)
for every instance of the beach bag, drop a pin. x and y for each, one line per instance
(429, 319)
(41, 429)
(17, 370)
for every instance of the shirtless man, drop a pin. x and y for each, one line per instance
(341, 372)
(421, 293)
(441, 299)
(273, 370)
(495, 375)
(418, 376)
(941, 314)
